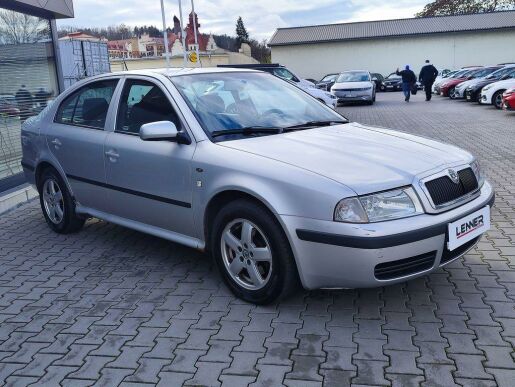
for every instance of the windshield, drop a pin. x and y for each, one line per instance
(501, 73)
(354, 76)
(485, 72)
(450, 74)
(393, 76)
(330, 77)
(460, 73)
(231, 101)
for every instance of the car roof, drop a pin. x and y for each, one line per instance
(178, 71)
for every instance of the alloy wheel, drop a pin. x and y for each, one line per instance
(498, 101)
(53, 201)
(246, 254)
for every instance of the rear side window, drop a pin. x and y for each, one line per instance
(88, 106)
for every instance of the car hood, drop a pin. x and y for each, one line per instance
(365, 159)
(482, 82)
(351, 85)
(505, 83)
(471, 82)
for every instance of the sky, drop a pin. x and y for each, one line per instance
(261, 17)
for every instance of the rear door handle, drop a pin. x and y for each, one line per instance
(113, 156)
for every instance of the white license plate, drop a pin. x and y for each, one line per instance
(469, 227)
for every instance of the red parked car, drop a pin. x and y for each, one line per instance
(447, 87)
(508, 99)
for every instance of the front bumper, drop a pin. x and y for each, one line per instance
(342, 255)
(484, 100)
(459, 93)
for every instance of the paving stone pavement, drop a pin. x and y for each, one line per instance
(110, 306)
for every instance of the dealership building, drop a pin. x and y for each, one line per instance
(30, 75)
(381, 46)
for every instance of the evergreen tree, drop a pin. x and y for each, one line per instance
(241, 32)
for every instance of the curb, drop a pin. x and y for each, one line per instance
(15, 197)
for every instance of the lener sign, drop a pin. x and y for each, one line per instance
(469, 227)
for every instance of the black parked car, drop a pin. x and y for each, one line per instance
(392, 82)
(327, 81)
(378, 79)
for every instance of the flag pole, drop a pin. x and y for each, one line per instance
(165, 35)
(195, 31)
(183, 30)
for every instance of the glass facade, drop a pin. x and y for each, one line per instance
(28, 80)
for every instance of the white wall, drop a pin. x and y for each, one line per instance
(385, 55)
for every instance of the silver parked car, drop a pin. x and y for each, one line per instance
(277, 186)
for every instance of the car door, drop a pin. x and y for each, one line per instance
(150, 181)
(76, 139)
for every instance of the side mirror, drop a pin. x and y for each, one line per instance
(504, 77)
(162, 131)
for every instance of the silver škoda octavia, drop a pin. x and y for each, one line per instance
(279, 188)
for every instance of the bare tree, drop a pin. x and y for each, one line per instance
(17, 28)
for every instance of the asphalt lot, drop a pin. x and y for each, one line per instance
(112, 306)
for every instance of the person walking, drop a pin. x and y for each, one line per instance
(408, 81)
(427, 77)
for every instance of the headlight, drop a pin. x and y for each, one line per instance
(388, 205)
(476, 168)
(487, 87)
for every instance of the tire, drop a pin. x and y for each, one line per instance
(497, 99)
(57, 204)
(374, 97)
(229, 247)
(451, 93)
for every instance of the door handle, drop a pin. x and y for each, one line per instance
(113, 156)
(56, 143)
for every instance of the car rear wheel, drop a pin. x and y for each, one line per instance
(252, 253)
(57, 204)
(497, 99)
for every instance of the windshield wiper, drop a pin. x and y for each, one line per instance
(248, 130)
(311, 124)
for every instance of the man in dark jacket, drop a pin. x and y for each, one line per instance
(408, 81)
(427, 77)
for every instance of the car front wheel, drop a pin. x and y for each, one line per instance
(252, 253)
(57, 204)
(497, 99)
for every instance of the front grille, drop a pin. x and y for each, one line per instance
(448, 255)
(357, 89)
(404, 267)
(444, 190)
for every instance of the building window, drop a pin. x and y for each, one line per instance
(28, 80)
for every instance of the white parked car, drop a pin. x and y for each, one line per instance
(322, 95)
(492, 94)
(355, 86)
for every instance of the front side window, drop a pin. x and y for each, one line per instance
(88, 106)
(231, 101)
(143, 102)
